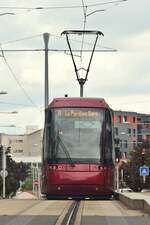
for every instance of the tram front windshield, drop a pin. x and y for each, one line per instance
(76, 134)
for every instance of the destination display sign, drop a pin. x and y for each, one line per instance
(77, 113)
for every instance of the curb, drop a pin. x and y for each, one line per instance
(135, 202)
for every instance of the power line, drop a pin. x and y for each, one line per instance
(12, 103)
(41, 49)
(106, 3)
(7, 13)
(21, 39)
(115, 3)
(132, 103)
(57, 50)
(41, 7)
(19, 84)
(84, 24)
(61, 7)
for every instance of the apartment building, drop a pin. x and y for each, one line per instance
(130, 129)
(143, 127)
(125, 130)
(26, 148)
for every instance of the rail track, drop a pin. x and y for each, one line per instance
(69, 212)
(69, 215)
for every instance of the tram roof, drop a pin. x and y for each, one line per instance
(78, 102)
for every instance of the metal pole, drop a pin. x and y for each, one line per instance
(39, 183)
(144, 179)
(81, 90)
(46, 40)
(33, 178)
(81, 83)
(122, 180)
(117, 177)
(4, 169)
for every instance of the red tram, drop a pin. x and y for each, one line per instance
(78, 153)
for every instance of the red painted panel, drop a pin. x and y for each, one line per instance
(78, 102)
(82, 179)
(76, 174)
(78, 167)
(78, 190)
(76, 177)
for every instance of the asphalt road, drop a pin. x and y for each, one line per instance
(43, 212)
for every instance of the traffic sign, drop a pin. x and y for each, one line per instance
(5, 173)
(144, 171)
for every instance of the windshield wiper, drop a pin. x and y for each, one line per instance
(59, 141)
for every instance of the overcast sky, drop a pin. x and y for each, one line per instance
(121, 77)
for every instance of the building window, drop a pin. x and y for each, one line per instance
(19, 141)
(119, 119)
(146, 124)
(134, 132)
(125, 154)
(18, 151)
(129, 132)
(125, 119)
(125, 144)
(120, 143)
(116, 131)
(134, 119)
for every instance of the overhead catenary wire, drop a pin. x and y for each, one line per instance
(30, 9)
(52, 49)
(84, 24)
(56, 50)
(61, 7)
(21, 39)
(85, 7)
(135, 102)
(106, 3)
(12, 103)
(19, 83)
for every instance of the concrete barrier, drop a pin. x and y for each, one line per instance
(135, 201)
(147, 206)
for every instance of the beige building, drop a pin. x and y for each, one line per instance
(16, 142)
(33, 144)
(26, 148)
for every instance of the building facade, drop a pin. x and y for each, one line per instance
(26, 148)
(130, 129)
(143, 127)
(125, 130)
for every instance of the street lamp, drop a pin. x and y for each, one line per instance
(9, 112)
(3, 93)
(7, 125)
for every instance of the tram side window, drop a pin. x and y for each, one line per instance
(46, 139)
(108, 138)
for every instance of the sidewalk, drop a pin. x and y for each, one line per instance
(136, 200)
(25, 195)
